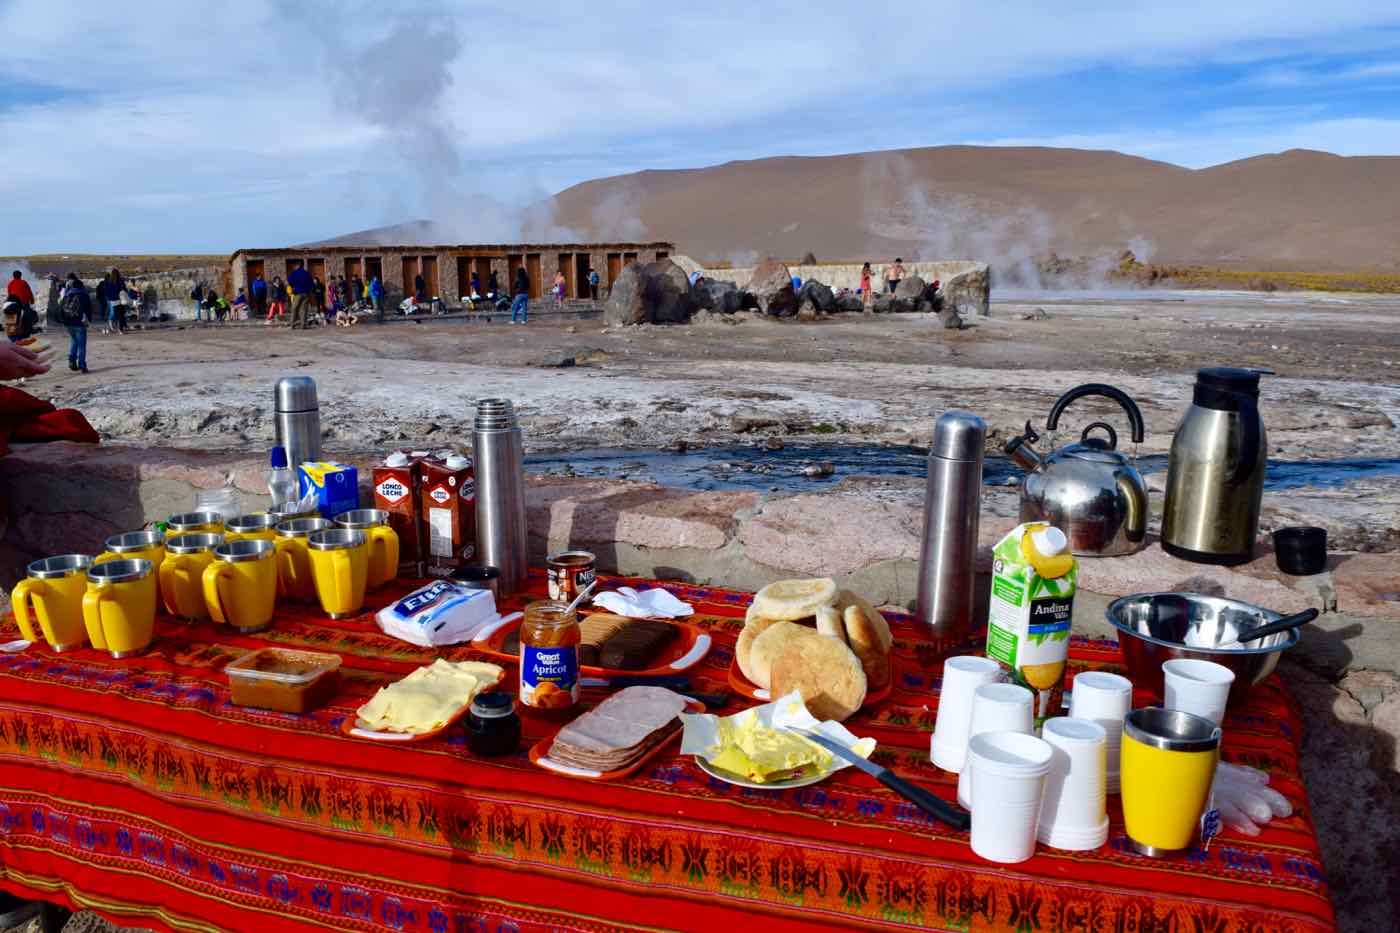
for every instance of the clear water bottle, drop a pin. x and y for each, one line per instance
(281, 480)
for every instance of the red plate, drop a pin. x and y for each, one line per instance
(753, 691)
(684, 652)
(349, 728)
(539, 754)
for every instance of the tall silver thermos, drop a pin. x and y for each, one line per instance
(500, 491)
(952, 503)
(298, 419)
(1215, 475)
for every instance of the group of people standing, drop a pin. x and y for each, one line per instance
(310, 300)
(894, 274)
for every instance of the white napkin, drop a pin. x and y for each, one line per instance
(648, 604)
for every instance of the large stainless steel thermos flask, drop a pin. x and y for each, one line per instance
(297, 414)
(500, 491)
(952, 503)
(1215, 474)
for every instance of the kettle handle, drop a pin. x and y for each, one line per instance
(1107, 391)
(1249, 430)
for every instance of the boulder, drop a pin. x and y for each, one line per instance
(950, 319)
(626, 302)
(657, 293)
(717, 295)
(970, 290)
(771, 287)
(911, 288)
(851, 303)
(821, 296)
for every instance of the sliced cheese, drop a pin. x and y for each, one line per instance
(428, 698)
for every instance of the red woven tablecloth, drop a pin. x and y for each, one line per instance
(136, 789)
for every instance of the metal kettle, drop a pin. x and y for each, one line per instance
(1089, 490)
(1215, 474)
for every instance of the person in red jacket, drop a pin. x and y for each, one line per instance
(19, 289)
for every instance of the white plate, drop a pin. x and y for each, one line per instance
(731, 778)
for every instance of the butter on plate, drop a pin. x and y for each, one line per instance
(760, 745)
(428, 698)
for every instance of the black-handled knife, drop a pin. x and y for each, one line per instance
(931, 804)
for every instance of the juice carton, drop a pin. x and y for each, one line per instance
(1033, 578)
(336, 485)
(449, 514)
(397, 483)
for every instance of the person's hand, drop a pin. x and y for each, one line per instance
(17, 362)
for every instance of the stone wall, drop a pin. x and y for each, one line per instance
(966, 284)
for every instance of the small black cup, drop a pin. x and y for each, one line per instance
(1301, 550)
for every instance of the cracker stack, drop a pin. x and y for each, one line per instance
(810, 636)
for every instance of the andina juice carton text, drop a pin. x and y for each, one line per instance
(1033, 579)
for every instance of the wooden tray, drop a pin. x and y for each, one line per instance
(539, 754)
(741, 684)
(349, 728)
(684, 652)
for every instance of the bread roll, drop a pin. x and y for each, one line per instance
(831, 624)
(790, 600)
(824, 671)
(743, 649)
(767, 646)
(869, 636)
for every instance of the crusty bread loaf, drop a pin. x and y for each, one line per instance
(769, 643)
(743, 649)
(869, 636)
(824, 671)
(831, 624)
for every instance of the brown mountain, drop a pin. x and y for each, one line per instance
(1297, 210)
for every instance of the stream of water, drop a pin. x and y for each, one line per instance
(791, 468)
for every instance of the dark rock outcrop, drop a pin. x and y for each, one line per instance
(820, 296)
(771, 287)
(655, 293)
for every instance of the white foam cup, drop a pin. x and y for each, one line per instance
(996, 708)
(1104, 698)
(1009, 769)
(1198, 687)
(961, 678)
(1073, 815)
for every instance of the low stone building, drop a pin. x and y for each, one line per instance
(447, 269)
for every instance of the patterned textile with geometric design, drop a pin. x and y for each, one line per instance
(134, 788)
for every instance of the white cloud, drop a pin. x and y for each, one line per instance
(194, 125)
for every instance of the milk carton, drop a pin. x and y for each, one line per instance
(448, 501)
(1033, 578)
(396, 486)
(336, 485)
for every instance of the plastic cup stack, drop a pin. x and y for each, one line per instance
(995, 708)
(1105, 699)
(961, 678)
(1073, 816)
(1198, 687)
(1009, 769)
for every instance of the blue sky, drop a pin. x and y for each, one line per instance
(163, 126)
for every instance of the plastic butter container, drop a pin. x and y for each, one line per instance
(285, 680)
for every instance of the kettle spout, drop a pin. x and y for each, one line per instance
(1019, 449)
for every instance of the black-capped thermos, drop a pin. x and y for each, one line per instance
(952, 501)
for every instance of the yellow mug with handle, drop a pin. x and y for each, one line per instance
(135, 545)
(194, 523)
(1168, 764)
(294, 576)
(182, 574)
(340, 566)
(240, 585)
(256, 525)
(119, 607)
(52, 595)
(383, 543)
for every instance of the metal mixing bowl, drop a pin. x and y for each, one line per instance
(1156, 627)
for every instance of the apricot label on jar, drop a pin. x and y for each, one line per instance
(549, 676)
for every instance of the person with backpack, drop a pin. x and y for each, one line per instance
(376, 297)
(593, 282)
(75, 311)
(277, 300)
(259, 293)
(520, 304)
(303, 288)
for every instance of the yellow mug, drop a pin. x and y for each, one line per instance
(340, 566)
(52, 593)
(294, 578)
(194, 523)
(240, 585)
(383, 543)
(1167, 765)
(119, 607)
(256, 525)
(182, 574)
(135, 545)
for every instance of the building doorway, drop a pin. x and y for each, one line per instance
(410, 270)
(628, 259)
(532, 269)
(429, 267)
(614, 267)
(483, 273)
(661, 254)
(582, 267)
(293, 264)
(513, 262)
(352, 271)
(252, 270)
(317, 268)
(570, 280)
(374, 269)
